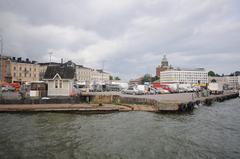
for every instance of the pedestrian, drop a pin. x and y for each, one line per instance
(22, 92)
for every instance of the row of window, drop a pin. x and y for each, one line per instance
(25, 75)
(20, 68)
(58, 84)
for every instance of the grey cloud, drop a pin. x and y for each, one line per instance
(131, 36)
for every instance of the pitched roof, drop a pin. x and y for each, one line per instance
(63, 71)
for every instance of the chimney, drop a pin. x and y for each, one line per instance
(14, 58)
(27, 60)
(19, 59)
(61, 60)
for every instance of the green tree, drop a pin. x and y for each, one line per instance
(110, 77)
(117, 78)
(211, 73)
(147, 78)
(155, 78)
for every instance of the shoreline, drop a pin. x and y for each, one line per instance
(113, 103)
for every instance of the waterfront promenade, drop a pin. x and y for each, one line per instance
(108, 102)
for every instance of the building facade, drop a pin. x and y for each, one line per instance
(228, 81)
(24, 70)
(83, 74)
(91, 76)
(163, 66)
(5, 69)
(196, 76)
(43, 68)
(100, 77)
(60, 80)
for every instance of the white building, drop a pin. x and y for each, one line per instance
(186, 76)
(60, 80)
(83, 74)
(99, 76)
(87, 76)
(230, 81)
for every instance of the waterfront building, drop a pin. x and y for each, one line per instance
(83, 74)
(228, 81)
(60, 79)
(186, 76)
(99, 76)
(24, 70)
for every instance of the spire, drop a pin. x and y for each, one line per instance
(164, 62)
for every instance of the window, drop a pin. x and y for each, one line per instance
(30, 69)
(25, 75)
(60, 84)
(14, 74)
(20, 74)
(30, 75)
(56, 83)
(14, 68)
(20, 68)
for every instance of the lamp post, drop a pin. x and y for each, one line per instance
(1, 57)
(50, 55)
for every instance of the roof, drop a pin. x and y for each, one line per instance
(63, 71)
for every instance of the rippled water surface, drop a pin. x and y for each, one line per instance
(208, 132)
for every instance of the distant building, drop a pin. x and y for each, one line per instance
(43, 68)
(227, 81)
(163, 66)
(24, 70)
(5, 69)
(99, 76)
(83, 74)
(187, 76)
(136, 81)
(60, 79)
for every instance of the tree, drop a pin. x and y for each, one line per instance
(147, 78)
(213, 81)
(110, 77)
(117, 78)
(236, 73)
(211, 73)
(155, 78)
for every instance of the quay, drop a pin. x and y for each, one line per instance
(113, 102)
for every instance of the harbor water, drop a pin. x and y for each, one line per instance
(207, 132)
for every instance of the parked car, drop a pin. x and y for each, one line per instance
(153, 91)
(76, 91)
(112, 87)
(163, 91)
(133, 91)
(8, 88)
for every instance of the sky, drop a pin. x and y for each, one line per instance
(127, 38)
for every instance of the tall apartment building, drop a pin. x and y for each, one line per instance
(24, 70)
(187, 76)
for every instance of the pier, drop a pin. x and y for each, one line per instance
(108, 103)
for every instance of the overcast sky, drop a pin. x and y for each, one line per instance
(131, 36)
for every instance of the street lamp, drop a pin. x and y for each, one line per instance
(50, 55)
(1, 39)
